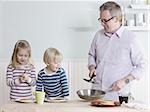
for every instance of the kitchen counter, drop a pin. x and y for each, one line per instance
(70, 106)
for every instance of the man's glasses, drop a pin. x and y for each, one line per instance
(105, 20)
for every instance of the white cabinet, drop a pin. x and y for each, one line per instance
(137, 17)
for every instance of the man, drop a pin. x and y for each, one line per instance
(115, 56)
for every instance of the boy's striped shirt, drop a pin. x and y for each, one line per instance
(54, 85)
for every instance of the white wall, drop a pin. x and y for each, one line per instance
(56, 24)
(68, 26)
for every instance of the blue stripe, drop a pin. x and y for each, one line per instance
(54, 85)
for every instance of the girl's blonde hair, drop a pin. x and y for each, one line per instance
(20, 44)
(52, 55)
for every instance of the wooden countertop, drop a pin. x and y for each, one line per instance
(69, 106)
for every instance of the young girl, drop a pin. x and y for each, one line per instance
(52, 79)
(20, 72)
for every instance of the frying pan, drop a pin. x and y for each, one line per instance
(90, 94)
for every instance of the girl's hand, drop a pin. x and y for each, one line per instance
(24, 78)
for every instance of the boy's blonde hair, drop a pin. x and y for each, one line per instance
(20, 44)
(52, 55)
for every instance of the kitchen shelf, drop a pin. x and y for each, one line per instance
(137, 9)
(140, 7)
(139, 16)
(138, 28)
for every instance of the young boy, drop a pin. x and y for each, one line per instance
(52, 79)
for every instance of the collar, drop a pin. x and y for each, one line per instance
(118, 33)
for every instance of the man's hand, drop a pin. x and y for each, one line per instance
(92, 71)
(116, 86)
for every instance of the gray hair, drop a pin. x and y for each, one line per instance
(113, 7)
